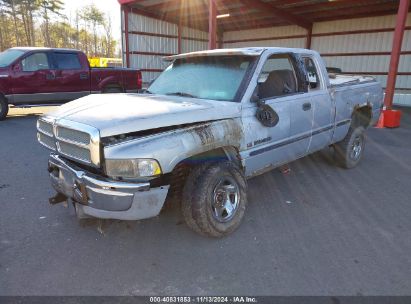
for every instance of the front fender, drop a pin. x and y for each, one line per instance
(170, 148)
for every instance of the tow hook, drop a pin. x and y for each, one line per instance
(58, 198)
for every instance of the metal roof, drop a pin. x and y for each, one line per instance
(246, 14)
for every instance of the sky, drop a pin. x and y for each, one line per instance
(111, 7)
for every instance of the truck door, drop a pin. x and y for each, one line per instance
(71, 77)
(286, 137)
(31, 79)
(322, 105)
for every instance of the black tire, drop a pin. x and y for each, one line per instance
(4, 107)
(187, 196)
(349, 151)
(218, 199)
(112, 90)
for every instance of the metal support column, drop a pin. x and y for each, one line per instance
(309, 36)
(212, 25)
(126, 34)
(179, 35)
(396, 52)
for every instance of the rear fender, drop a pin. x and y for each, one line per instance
(110, 81)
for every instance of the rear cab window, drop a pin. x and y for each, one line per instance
(67, 61)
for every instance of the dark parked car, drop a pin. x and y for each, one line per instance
(33, 76)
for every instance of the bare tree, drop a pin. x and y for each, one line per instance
(109, 36)
(49, 7)
(92, 14)
(12, 11)
(40, 22)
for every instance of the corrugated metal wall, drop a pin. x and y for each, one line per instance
(199, 43)
(285, 36)
(360, 45)
(151, 39)
(356, 45)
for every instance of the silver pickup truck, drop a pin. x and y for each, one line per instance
(211, 120)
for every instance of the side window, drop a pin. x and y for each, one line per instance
(35, 62)
(312, 73)
(67, 61)
(278, 77)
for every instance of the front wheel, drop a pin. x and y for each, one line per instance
(217, 200)
(349, 151)
(4, 108)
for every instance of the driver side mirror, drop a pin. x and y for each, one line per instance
(16, 68)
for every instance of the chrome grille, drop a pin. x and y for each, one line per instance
(46, 141)
(72, 139)
(73, 151)
(74, 136)
(45, 127)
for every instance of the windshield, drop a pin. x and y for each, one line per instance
(8, 56)
(212, 77)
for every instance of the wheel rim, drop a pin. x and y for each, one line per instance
(356, 148)
(226, 198)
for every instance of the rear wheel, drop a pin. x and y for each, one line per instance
(349, 151)
(4, 107)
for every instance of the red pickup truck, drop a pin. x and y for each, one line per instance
(44, 76)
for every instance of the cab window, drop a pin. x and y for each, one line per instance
(277, 77)
(35, 62)
(67, 61)
(312, 74)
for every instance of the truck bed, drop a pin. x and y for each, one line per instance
(342, 80)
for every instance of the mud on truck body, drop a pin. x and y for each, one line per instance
(211, 120)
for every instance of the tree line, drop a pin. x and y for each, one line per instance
(43, 23)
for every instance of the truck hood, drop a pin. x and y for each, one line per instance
(115, 114)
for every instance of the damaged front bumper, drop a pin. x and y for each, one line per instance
(98, 197)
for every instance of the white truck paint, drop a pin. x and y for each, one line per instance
(257, 108)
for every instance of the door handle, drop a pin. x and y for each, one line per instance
(307, 106)
(83, 76)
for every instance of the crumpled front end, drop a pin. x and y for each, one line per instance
(103, 198)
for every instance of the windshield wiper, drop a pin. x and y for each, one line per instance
(182, 94)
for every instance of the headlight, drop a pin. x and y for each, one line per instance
(131, 168)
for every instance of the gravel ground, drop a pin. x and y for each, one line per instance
(320, 230)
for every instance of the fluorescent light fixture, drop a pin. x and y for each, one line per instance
(223, 16)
